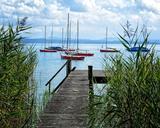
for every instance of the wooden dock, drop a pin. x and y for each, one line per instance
(68, 107)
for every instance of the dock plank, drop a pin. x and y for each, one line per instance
(68, 107)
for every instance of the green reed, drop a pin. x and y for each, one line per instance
(17, 90)
(133, 91)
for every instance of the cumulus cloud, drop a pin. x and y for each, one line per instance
(149, 5)
(89, 5)
(94, 15)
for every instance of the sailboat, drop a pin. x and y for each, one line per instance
(108, 49)
(78, 52)
(139, 48)
(58, 48)
(135, 49)
(62, 41)
(69, 36)
(46, 49)
(70, 56)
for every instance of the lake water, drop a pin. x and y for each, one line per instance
(50, 63)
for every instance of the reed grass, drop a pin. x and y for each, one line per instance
(132, 96)
(17, 90)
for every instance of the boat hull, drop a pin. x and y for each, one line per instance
(47, 50)
(109, 50)
(69, 49)
(70, 57)
(59, 49)
(65, 50)
(84, 54)
(135, 49)
(54, 48)
(79, 53)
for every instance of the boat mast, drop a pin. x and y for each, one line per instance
(70, 31)
(106, 36)
(45, 36)
(62, 38)
(52, 35)
(77, 34)
(67, 30)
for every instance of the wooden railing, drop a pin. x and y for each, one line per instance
(68, 70)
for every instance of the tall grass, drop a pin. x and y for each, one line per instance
(17, 96)
(132, 98)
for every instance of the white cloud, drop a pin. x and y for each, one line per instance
(150, 16)
(89, 5)
(39, 3)
(27, 10)
(97, 14)
(112, 3)
(152, 5)
(115, 4)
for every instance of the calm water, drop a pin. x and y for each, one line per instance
(49, 63)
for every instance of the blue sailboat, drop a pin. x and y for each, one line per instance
(135, 49)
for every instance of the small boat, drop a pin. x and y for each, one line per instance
(56, 48)
(72, 57)
(68, 51)
(79, 52)
(84, 54)
(59, 49)
(53, 48)
(135, 49)
(68, 36)
(47, 49)
(108, 49)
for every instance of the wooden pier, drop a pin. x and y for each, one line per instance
(68, 107)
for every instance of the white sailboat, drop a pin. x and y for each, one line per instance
(57, 48)
(46, 49)
(79, 52)
(70, 56)
(108, 49)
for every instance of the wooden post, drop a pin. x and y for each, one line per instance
(91, 92)
(68, 68)
(49, 88)
(90, 76)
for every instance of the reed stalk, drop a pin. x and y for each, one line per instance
(17, 90)
(133, 92)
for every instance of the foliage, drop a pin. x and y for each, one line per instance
(133, 37)
(133, 92)
(17, 85)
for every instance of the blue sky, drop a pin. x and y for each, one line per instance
(93, 15)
